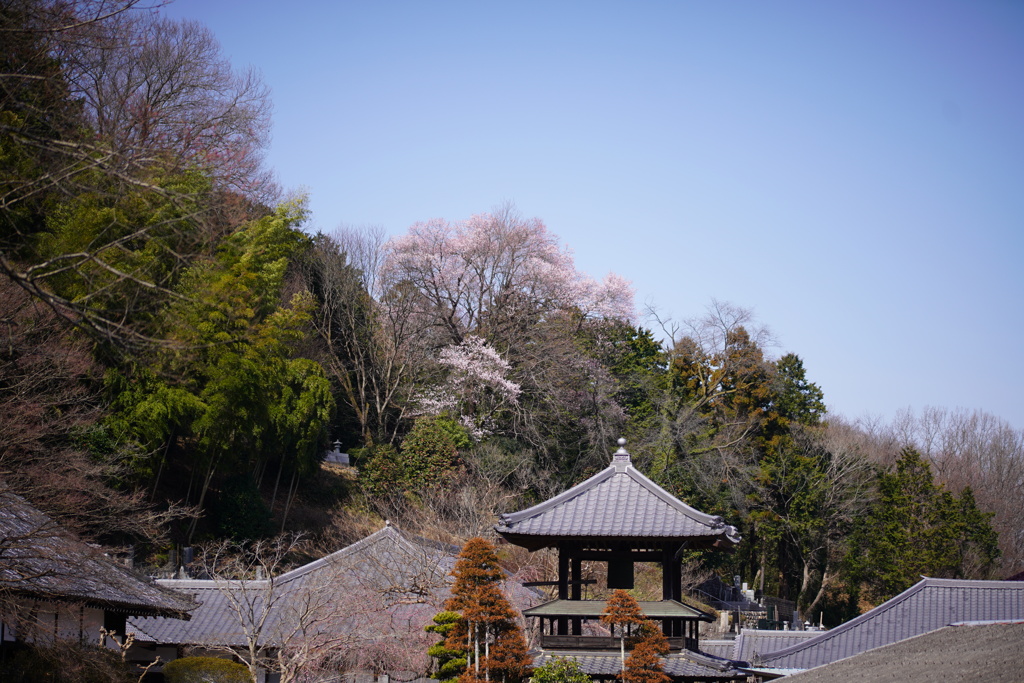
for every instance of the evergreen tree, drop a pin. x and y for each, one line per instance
(797, 399)
(918, 529)
(644, 662)
(487, 630)
(449, 662)
(622, 612)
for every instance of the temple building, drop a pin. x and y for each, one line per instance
(621, 517)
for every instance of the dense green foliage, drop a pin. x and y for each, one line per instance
(915, 529)
(449, 661)
(560, 670)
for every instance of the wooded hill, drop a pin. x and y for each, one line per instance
(179, 354)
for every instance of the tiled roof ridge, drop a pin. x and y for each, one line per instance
(410, 543)
(986, 622)
(925, 582)
(713, 521)
(563, 497)
(202, 584)
(387, 532)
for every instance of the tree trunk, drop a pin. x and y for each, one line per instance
(821, 592)
(805, 582)
(202, 498)
(160, 470)
(292, 489)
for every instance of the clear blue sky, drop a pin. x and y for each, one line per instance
(852, 171)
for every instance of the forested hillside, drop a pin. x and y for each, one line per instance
(179, 354)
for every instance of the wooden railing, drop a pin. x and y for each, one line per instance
(603, 643)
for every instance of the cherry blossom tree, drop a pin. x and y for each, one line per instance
(494, 274)
(475, 386)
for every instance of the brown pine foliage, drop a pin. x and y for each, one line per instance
(644, 663)
(508, 660)
(622, 610)
(477, 596)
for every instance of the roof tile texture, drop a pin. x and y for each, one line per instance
(618, 502)
(687, 665)
(926, 606)
(990, 653)
(40, 559)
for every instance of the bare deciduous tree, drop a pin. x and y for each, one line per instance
(159, 92)
(49, 405)
(108, 110)
(365, 328)
(359, 612)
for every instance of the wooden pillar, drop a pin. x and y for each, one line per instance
(577, 592)
(677, 579)
(666, 574)
(563, 586)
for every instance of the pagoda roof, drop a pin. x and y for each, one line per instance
(618, 504)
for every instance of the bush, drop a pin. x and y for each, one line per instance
(431, 453)
(205, 670)
(382, 474)
(65, 662)
(429, 460)
(560, 670)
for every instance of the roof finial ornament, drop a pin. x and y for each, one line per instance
(621, 456)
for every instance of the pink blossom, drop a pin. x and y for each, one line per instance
(495, 267)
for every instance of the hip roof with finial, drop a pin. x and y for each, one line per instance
(616, 505)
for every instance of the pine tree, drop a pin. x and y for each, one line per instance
(487, 630)
(644, 662)
(622, 611)
(916, 528)
(449, 662)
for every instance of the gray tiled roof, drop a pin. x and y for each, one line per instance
(926, 606)
(968, 652)
(40, 559)
(718, 648)
(214, 622)
(686, 664)
(754, 642)
(618, 502)
(409, 573)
